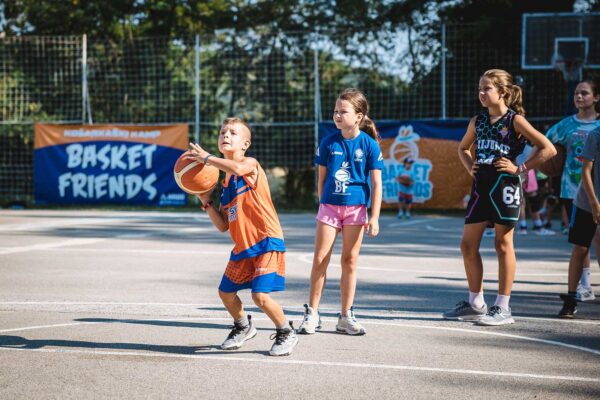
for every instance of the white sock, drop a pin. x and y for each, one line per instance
(586, 274)
(537, 223)
(476, 299)
(502, 301)
(523, 224)
(286, 325)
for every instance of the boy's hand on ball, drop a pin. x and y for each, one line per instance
(505, 165)
(197, 152)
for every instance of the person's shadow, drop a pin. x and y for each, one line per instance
(21, 343)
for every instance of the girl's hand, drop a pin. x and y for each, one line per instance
(373, 227)
(197, 153)
(473, 170)
(596, 213)
(505, 165)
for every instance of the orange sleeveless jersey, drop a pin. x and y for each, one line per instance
(253, 223)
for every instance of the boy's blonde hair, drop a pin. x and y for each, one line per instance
(236, 120)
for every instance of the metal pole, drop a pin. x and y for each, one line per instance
(444, 115)
(197, 90)
(83, 77)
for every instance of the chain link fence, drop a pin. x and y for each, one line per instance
(283, 85)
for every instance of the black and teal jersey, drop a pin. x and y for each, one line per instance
(498, 139)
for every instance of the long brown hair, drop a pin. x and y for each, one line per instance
(360, 105)
(511, 93)
(594, 85)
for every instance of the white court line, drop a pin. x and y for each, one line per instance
(223, 253)
(416, 221)
(69, 242)
(28, 328)
(366, 312)
(48, 246)
(329, 363)
(312, 363)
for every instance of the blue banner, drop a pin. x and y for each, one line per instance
(107, 165)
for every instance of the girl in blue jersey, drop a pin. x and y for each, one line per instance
(572, 133)
(350, 164)
(499, 134)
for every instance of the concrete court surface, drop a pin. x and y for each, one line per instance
(104, 304)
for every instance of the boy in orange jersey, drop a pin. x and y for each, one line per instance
(257, 260)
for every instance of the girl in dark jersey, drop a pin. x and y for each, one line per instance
(498, 134)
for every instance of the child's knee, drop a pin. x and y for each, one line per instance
(579, 251)
(261, 299)
(503, 245)
(227, 297)
(467, 248)
(349, 261)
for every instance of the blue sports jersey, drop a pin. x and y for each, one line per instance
(348, 162)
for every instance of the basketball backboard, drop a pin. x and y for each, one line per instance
(551, 37)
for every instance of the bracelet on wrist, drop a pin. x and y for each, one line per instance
(208, 205)
(207, 157)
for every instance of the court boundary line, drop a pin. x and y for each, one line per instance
(312, 363)
(364, 321)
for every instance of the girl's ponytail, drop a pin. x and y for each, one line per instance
(360, 104)
(515, 99)
(594, 85)
(511, 93)
(367, 125)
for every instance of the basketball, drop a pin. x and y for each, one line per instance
(553, 167)
(194, 177)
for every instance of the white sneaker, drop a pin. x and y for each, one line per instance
(543, 231)
(349, 325)
(312, 321)
(496, 316)
(585, 293)
(285, 341)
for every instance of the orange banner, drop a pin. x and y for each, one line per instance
(162, 135)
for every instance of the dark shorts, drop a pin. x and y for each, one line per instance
(535, 202)
(568, 203)
(582, 227)
(405, 198)
(495, 197)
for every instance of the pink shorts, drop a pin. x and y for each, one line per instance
(338, 216)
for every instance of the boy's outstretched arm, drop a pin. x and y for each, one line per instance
(216, 216)
(239, 168)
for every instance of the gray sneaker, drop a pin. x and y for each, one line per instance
(465, 312)
(285, 341)
(349, 325)
(238, 335)
(496, 316)
(312, 321)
